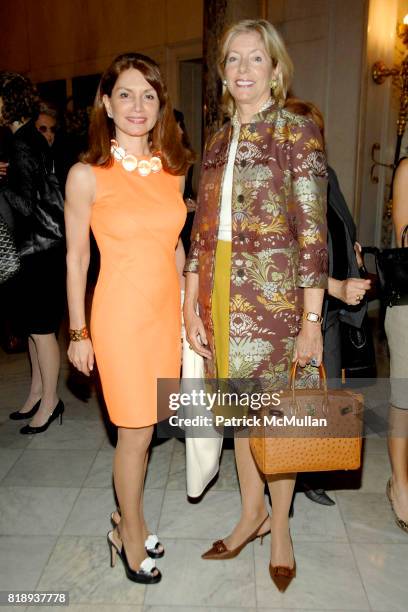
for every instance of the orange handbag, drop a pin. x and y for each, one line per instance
(311, 430)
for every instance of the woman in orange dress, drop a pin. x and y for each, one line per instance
(128, 189)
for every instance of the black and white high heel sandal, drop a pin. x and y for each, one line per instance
(148, 572)
(153, 546)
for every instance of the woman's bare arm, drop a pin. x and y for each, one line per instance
(400, 201)
(80, 194)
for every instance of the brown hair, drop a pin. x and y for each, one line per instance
(19, 97)
(306, 109)
(164, 137)
(274, 46)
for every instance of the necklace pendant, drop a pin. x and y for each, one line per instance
(129, 162)
(156, 164)
(118, 152)
(144, 168)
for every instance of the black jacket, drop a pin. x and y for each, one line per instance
(33, 192)
(353, 315)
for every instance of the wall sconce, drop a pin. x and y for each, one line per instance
(380, 72)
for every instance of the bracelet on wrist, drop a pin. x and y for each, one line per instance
(75, 335)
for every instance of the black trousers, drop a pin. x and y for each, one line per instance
(332, 350)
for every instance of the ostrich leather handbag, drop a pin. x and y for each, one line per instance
(311, 430)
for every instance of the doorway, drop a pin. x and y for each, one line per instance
(190, 104)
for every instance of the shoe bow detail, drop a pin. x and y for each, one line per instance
(281, 570)
(219, 547)
(148, 565)
(151, 541)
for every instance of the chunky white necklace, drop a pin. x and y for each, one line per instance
(130, 162)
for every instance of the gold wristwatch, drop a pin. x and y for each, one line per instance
(313, 317)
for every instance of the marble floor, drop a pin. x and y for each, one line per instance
(56, 496)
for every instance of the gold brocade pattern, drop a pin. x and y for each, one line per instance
(278, 237)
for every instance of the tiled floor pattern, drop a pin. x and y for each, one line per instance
(56, 497)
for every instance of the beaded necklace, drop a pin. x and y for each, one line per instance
(131, 163)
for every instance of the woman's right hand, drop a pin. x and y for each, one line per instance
(81, 355)
(195, 332)
(3, 169)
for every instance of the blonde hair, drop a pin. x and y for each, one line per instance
(274, 46)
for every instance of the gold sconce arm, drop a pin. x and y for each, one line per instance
(374, 149)
(380, 72)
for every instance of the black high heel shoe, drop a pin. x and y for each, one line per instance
(153, 546)
(57, 412)
(144, 575)
(19, 416)
(319, 496)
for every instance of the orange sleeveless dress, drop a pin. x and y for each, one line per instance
(136, 319)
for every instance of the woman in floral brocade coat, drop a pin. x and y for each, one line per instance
(258, 259)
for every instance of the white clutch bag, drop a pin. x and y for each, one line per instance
(202, 453)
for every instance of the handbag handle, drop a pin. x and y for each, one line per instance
(403, 236)
(322, 376)
(323, 385)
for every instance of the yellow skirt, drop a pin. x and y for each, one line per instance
(220, 306)
(220, 315)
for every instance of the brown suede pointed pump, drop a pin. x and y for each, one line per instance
(220, 551)
(282, 576)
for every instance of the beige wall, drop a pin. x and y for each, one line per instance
(326, 40)
(57, 39)
(54, 39)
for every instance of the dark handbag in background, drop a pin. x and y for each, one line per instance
(357, 344)
(10, 263)
(299, 447)
(9, 257)
(357, 350)
(392, 270)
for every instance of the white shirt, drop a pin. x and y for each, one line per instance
(225, 226)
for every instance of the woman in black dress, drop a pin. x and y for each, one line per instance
(34, 194)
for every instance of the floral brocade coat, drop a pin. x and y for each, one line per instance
(279, 241)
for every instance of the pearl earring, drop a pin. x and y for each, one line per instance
(224, 82)
(110, 115)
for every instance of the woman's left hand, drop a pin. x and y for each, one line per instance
(191, 204)
(309, 344)
(358, 251)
